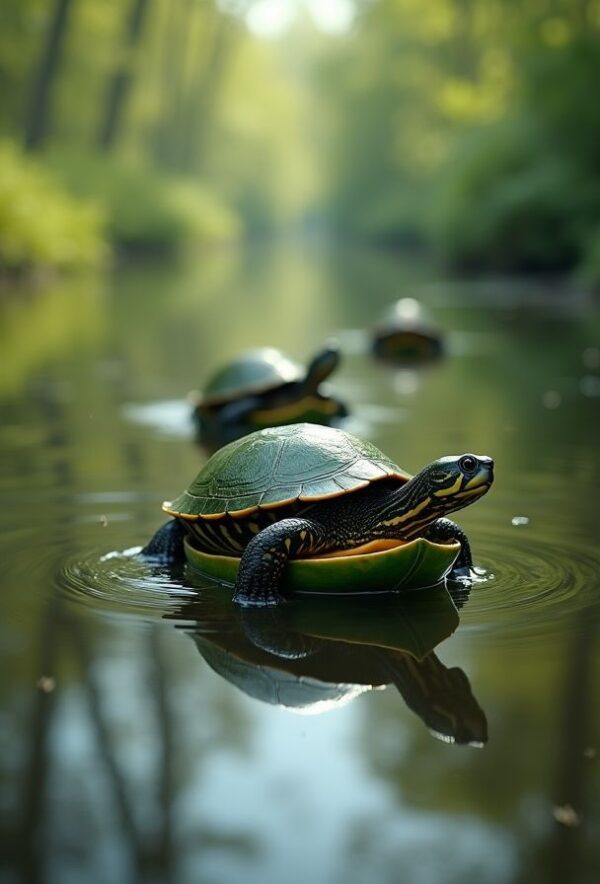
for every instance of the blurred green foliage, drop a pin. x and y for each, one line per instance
(40, 225)
(470, 127)
(145, 212)
(500, 208)
(167, 114)
(589, 269)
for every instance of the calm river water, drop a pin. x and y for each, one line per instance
(144, 737)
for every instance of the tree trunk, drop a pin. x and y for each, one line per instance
(176, 36)
(122, 79)
(201, 100)
(38, 117)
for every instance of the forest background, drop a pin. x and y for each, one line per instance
(469, 128)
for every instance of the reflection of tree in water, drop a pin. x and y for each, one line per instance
(301, 657)
(514, 827)
(572, 847)
(138, 817)
(155, 842)
(129, 721)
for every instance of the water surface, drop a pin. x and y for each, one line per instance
(148, 751)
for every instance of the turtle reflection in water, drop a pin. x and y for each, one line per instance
(265, 388)
(307, 491)
(315, 656)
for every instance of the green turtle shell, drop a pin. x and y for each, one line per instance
(253, 372)
(280, 465)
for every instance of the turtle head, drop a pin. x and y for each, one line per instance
(322, 364)
(447, 484)
(456, 481)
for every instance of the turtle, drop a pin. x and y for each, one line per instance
(264, 387)
(305, 490)
(405, 334)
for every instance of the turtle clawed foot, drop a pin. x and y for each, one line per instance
(467, 574)
(459, 583)
(461, 580)
(257, 590)
(462, 573)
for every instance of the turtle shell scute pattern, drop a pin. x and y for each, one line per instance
(254, 371)
(282, 464)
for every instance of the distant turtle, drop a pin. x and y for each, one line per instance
(404, 333)
(305, 490)
(265, 388)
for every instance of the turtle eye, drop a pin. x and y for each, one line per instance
(467, 463)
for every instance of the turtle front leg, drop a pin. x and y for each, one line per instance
(264, 560)
(445, 530)
(166, 546)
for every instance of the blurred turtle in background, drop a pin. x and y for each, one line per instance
(265, 388)
(405, 334)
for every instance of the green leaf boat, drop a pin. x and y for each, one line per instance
(413, 565)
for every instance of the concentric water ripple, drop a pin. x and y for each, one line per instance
(121, 583)
(533, 586)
